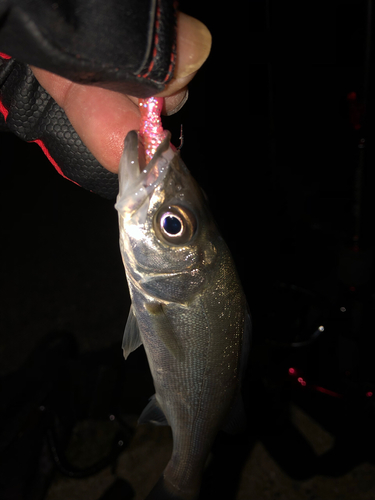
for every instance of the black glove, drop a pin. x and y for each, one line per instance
(125, 45)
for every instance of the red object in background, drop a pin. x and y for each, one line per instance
(327, 391)
(297, 374)
(356, 110)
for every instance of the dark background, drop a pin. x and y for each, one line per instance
(269, 135)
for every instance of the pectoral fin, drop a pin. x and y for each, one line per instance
(131, 339)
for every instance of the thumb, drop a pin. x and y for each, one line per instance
(193, 47)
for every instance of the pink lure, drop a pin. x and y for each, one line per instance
(151, 129)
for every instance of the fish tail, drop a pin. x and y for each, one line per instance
(163, 490)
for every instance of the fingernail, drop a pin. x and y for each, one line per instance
(193, 45)
(174, 103)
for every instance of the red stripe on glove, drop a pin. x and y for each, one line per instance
(47, 153)
(5, 112)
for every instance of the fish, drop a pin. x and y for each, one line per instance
(188, 308)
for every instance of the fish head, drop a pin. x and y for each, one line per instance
(167, 235)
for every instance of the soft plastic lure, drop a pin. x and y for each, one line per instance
(151, 129)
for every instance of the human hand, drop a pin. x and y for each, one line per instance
(102, 118)
(128, 47)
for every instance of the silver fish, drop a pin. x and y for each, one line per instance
(188, 310)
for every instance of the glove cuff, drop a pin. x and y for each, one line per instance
(125, 45)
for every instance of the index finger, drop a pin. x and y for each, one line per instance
(101, 117)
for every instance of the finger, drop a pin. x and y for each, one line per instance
(102, 118)
(193, 47)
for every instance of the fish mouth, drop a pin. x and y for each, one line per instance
(137, 182)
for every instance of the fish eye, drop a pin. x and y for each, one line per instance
(171, 224)
(175, 224)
